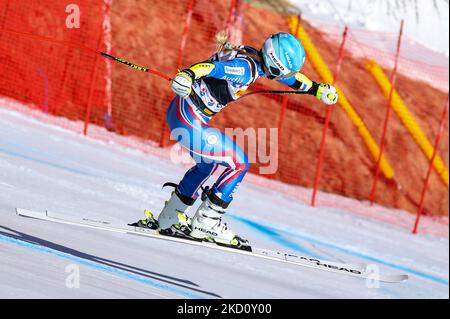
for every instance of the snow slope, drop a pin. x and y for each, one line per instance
(426, 22)
(45, 167)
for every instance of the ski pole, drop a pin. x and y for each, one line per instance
(135, 66)
(164, 76)
(273, 92)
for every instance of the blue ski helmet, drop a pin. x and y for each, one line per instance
(283, 55)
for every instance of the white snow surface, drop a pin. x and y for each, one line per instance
(426, 21)
(43, 167)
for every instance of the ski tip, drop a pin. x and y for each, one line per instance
(394, 279)
(30, 213)
(21, 211)
(382, 278)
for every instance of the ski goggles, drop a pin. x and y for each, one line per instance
(275, 67)
(276, 72)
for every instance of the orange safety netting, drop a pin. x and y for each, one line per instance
(57, 70)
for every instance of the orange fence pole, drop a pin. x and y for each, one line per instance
(92, 81)
(388, 115)
(327, 121)
(430, 168)
(284, 104)
(187, 27)
(184, 37)
(230, 16)
(299, 23)
(285, 100)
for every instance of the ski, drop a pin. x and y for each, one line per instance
(357, 270)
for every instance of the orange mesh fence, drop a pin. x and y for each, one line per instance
(57, 70)
(43, 63)
(424, 102)
(416, 61)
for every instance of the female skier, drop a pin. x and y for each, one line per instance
(203, 90)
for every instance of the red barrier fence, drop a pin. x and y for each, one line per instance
(392, 80)
(327, 121)
(430, 168)
(56, 69)
(415, 60)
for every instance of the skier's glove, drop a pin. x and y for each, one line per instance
(182, 84)
(327, 94)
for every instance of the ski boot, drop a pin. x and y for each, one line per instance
(207, 224)
(173, 220)
(181, 229)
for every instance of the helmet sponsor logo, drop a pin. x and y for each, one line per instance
(234, 71)
(275, 60)
(288, 58)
